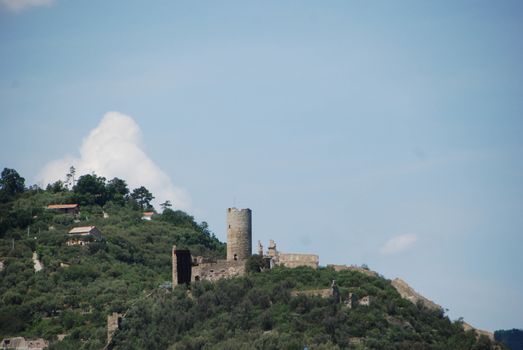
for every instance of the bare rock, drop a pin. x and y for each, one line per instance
(410, 294)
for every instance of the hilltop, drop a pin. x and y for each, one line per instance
(124, 268)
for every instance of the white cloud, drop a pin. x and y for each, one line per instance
(114, 149)
(20, 5)
(398, 244)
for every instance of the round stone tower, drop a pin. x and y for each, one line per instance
(239, 234)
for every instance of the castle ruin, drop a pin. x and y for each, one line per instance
(291, 260)
(187, 269)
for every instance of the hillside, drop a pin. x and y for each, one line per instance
(512, 338)
(80, 285)
(410, 294)
(260, 312)
(125, 272)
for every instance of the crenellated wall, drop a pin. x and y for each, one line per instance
(295, 260)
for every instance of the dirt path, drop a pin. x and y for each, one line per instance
(38, 264)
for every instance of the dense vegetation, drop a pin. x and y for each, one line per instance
(81, 285)
(258, 312)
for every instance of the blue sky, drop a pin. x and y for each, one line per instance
(385, 133)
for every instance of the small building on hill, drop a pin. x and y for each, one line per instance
(65, 208)
(148, 215)
(83, 235)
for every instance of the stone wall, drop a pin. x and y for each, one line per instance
(174, 267)
(332, 292)
(353, 268)
(239, 234)
(322, 293)
(113, 323)
(214, 271)
(295, 260)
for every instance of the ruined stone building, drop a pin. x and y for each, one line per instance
(187, 269)
(332, 292)
(350, 300)
(291, 260)
(20, 343)
(114, 322)
(353, 301)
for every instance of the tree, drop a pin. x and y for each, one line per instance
(11, 184)
(255, 263)
(483, 343)
(117, 190)
(143, 197)
(56, 187)
(166, 204)
(91, 189)
(178, 218)
(70, 182)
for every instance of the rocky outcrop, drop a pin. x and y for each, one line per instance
(410, 294)
(479, 332)
(37, 263)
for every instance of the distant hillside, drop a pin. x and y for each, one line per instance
(68, 301)
(512, 338)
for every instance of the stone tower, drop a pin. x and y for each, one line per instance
(239, 234)
(181, 266)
